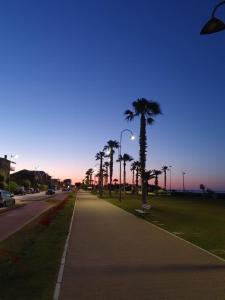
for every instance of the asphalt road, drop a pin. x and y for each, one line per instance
(12, 220)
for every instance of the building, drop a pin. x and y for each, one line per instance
(5, 168)
(67, 182)
(35, 177)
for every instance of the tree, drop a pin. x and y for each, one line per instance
(26, 183)
(125, 158)
(12, 186)
(111, 145)
(149, 175)
(99, 156)
(2, 180)
(165, 169)
(89, 176)
(156, 174)
(106, 166)
(135, 167)
(146, 110)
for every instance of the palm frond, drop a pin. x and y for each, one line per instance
(129, 115)
(150, 121)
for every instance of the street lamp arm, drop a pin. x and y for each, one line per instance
(216, 7)
(120, 155)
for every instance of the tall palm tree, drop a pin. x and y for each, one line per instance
(136, 168)
(165, 169)
(99, 156)
(89, 175)
(106, 166)
(111, 145)
(146, 110)
(156, 174)
(125, 158)
(149, 175)
(133, 169)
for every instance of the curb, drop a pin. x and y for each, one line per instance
(63, 259)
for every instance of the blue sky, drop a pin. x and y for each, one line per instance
(69, 69)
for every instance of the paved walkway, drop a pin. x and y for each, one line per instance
(113, 255)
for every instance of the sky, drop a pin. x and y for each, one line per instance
(69, 70)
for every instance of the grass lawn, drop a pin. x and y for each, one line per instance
(200, 221)
(29, 259)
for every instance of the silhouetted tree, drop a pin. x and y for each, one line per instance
(156, 174)
(149, 175)
(106, 166)
(99, 156)
(111, 145)
(165, 169)
(125, 158)
(145, 110)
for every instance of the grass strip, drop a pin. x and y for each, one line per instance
(30, 259)
(197, 220)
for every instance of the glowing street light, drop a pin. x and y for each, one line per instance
(214, 24)
(132, 137)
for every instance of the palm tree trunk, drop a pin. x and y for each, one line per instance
(133, 181)
(124, 176)
(165, 180)
(110, 171)
(101, 178)
(137, 180)
(143, 144)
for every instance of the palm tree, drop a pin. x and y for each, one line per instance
(156, 174)
(89, 175)
(135, 167)
(111, 145)
(165, 169)
(149, 175)
(106, 166)
(115, 181)
(99, 156)
(146, 110)
(125, 158)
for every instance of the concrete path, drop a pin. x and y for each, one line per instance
(113, 255)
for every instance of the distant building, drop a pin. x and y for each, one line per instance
(35, 177)
(55, 183)
(6, 167)
(67, 182)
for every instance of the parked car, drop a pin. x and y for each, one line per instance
(6, 199)
(20, 191)
(50, 192)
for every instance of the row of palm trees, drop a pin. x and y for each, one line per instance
(146, 111)
(134, 168)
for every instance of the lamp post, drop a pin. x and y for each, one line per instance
(183, 173)
(132, 137)
(214, 24)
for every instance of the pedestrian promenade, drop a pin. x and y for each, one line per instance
(114, 255)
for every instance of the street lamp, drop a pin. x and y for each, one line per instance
(132, 137)
(183, 173)
(214, 24)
